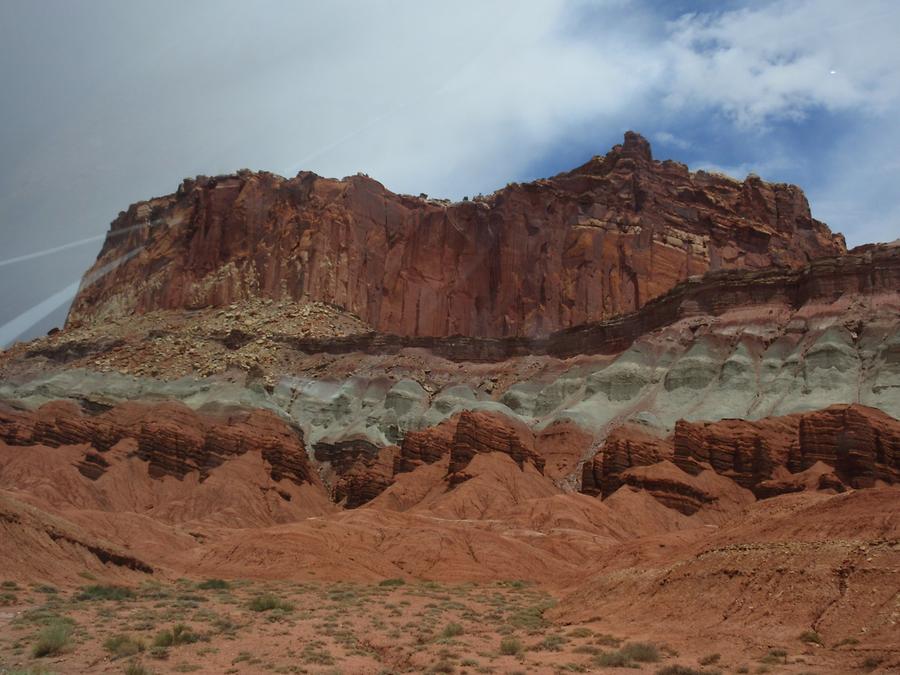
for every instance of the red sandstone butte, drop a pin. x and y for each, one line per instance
(596, 242)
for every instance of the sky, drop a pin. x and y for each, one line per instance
(106, 103)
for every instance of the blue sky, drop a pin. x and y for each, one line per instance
(106, 103)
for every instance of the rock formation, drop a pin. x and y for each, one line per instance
(596, 242)
(861, 444)
(171, 437)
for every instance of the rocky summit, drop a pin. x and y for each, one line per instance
(629, 415)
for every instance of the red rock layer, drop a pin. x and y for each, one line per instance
(862, 445)
(625, 447)
(484, 432)
(170, 436)
(599, 241)
(362, 470)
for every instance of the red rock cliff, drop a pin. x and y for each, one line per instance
(589, 244)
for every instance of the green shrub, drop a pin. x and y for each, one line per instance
(213, 585)
(676, 669)
(102, 592)
(608, 640)
(611, 660)
(268, 602)
(52, 639)
(123, 645)
(179, 634)
(775, 656)
(136, 668)
(452, 630)
(811, 637)
(392, 582)
(551, 643)
(510, 646)
(9, 586)
(710, 659)
(643, 652)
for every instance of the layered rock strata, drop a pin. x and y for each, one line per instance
(596, 242)
(171, 437)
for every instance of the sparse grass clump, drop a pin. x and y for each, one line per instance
(642, 652)
(268, 602)
(811, 637)
(179, 634)
(392, 582)
(611, 660)
(53, 639)
(551, 643)
(123, 645)
(774, 656)
(136, 668)
(9, 586)
(214, 585)
(581, 632)
(452, 630)
(628, 655)
(103, 592)
(676, 669)
(710, 659)
(510, 646)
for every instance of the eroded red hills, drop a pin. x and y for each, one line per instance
(668, 398)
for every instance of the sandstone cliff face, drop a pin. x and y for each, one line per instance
(861, 444)
(171, 437)
(626, 447)
(583, 246)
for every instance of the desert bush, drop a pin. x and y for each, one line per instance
(510, 646)
(103, 592)
(452, 630)
(123, 645)
(608, 640)
(392, 582)
(811, 637)
(179, 634)
(268, 602)
(676, 669)
(643, 652)
(136, 668)
(611, 660)
(213, 585)
(775, 656)
(710, 659)
(53, 639)
(581, 632)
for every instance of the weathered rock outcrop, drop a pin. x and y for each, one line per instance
(593, 243)
(171, 437)
(862, 445)
(484, 432)
(625, 447)
(687, 493)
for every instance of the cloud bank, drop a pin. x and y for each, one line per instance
(108, 102)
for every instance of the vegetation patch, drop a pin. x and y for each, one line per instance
(103, 592)
(53, 639)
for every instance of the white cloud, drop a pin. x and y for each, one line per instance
(116, 102)
(780, 60)
(666, 138)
